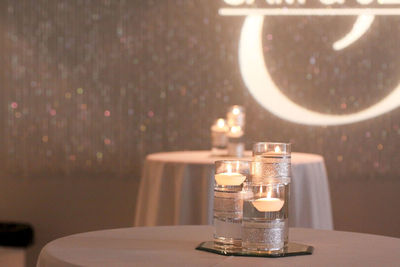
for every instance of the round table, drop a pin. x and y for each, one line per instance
(175, 246)
(176, 188)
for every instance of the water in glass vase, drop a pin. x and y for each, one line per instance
(228, 212)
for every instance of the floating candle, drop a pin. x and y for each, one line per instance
(267, 204)
(236, 116)
(229, 178)
(235, 132)
(220, 126)
(236, 110)
(276, 152)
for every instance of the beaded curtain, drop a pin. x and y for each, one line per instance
(91, 87)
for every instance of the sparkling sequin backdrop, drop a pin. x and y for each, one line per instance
(91, 87)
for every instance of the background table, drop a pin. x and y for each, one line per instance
(175, 246)
(176, 188)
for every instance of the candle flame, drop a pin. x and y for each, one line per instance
(235, 111)
(269, 193)
(235, 129)
(277, 149)
(221, 123)
(229, 168)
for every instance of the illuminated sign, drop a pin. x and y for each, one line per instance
(255, 73)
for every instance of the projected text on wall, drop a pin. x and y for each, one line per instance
(252, 60)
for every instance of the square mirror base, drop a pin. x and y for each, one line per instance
(293, 249)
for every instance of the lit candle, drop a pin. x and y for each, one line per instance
(219, 138)
(235, 132)
(271, 150)
(275, 152)
(236, 116)
(236, 111)
(268, 204)
(220, 126)
(229, 177)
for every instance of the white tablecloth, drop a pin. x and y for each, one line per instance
(175, 246)
(177, 189)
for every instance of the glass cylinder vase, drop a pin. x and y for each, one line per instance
(236, 116)
(265, 217)
(219, 137)
(228, 201)
(266, 207)
(236, 145)
(275, 156)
